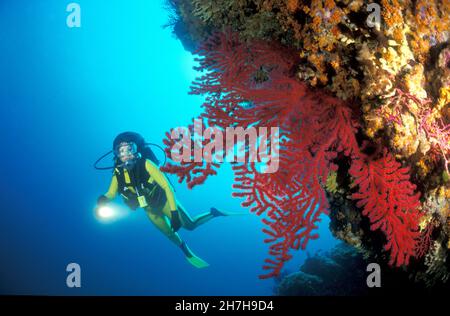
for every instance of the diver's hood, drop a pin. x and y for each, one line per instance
(129, 137)
(142, 150)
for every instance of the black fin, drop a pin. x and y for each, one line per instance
(215, 212)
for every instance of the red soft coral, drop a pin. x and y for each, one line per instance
(430, 123)
(387, 197)
(251, 85)
(292, 213)
(193, 169)
(424, 243)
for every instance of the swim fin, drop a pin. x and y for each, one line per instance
(197, 262)
(192, 258)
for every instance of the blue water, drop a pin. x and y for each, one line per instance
(65, 93)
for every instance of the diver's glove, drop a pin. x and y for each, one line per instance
(102, 200)
(175, 221)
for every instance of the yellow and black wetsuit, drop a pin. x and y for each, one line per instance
(146, 179)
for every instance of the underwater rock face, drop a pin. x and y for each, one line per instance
(301, 284)
(381, 83)
(340, 271)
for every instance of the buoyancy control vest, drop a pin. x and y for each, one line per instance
(139, 189)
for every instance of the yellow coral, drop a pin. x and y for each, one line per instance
(414, 81)
(444, 98)
(424, 221)
(444, 192)
(404, 136)
(391, 13)
(423, 168)
(431, 23)
(292, 5)
(331, 184)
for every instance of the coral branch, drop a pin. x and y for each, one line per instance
(195, 171)
(424, 243)
(387, 197)
(428, 120)
(250, 85)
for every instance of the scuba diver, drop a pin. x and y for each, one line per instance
(140, 182)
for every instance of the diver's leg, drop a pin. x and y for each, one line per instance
(187, 221)
(191, 223)
(162, 223)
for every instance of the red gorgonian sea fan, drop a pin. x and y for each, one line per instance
(252, 85)
(431, 126)
(425, 241)
(193, 169)
(387, 197)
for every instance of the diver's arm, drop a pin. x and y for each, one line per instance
(113, 188)
(161, 180)
(111, 194)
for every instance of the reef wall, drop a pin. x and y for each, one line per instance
(373, 79)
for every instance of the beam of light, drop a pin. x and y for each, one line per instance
(109, 213)
(106, 212)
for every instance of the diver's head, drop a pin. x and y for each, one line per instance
(126, 151)
(127, 154)
(127, 148)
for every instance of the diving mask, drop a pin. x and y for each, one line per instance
(127, 152)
